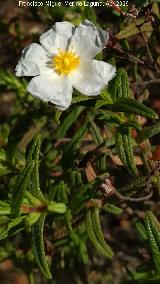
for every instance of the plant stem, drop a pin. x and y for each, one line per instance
(31, 278)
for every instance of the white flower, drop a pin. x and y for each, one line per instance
(63, 60)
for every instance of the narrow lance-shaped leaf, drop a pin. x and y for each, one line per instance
(21, 188)
(155, 226)
(127, 142)
(16, 225)
(5, 208)
(141, 230)
(75, 141)
(120, 148)
(35, 175)
(98, 231)
(22, 174)
(31, 219)
(95, 132)
(111, 208)
(38, 246)
(119, 86)
(68, 121)
(32, 148)
(11, 227)
(92, 235)
(131, 106)
(139, 182)
(148, 132)
(153, 243)
(97, 137)
(61, 193)
(125, 150)
(25, 129)
(132, 123)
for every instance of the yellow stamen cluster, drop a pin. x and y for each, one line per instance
(65, 62)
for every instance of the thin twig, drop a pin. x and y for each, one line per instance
(146, 83)
(140, 86)
(110, 190)
(125, 198)
(147, 45)
(64, 231)
(118, 9)
(133, 58)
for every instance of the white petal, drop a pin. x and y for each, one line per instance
(88, 40)
(92, 77)
(105, 70)
(84, 47)
(52, 88)
(57, 37)
(32, 60)
(102, 36)
(64, 28)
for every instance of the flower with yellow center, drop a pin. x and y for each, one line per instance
(64, 60)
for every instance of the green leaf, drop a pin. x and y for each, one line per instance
(119, 86)
(15, 222)
(5, 208)
(90, 14)
(57, 115)
(21, 187)
(8, 79)
(156, 181)
(109, 142)
(3, 232)
(101, 103)
(11, 227)
(111, 208)
(131, 106)
(125, 150)
(24, 130)
(30, 154)
(55, 207)
(148, 132)
(134, 184)
(106, 96)
(133, 124)
(132, 29)
(118, 120)
(32, 200)
(141, 230)
(61, 195)
(108, 117)
(98, 231)
(153, 240)
(2, 155)
(76, 139)
(93, 237)
(35, 174)
(31, 219)
(69, 119)
(97, 137)
(33, 154)
(155, 9)
(38, 246)
(155, 226)
(4, 170)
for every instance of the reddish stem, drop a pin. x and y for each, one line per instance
(28, 209)
(118, 9)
